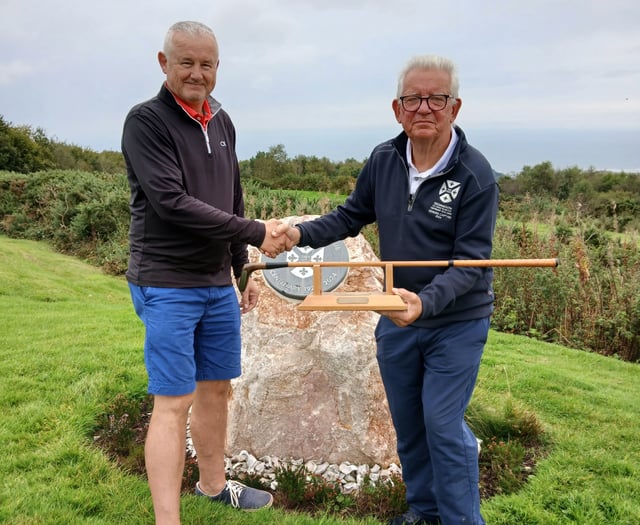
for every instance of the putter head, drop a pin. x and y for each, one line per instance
(244, 279)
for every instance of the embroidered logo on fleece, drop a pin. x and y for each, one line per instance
(449, 191)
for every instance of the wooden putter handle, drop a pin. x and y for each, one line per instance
(249, 268)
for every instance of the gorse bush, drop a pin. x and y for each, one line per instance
(73, 210)
(591, 301)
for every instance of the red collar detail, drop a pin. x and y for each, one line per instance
(195, 115)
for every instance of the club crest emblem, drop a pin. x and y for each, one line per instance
(297, 282)
(304, 254)
(449, 191)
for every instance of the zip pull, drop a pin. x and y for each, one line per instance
(206, 139)
(412, 199)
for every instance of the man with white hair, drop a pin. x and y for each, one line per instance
(433, 196)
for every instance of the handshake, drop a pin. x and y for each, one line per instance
(279, 237)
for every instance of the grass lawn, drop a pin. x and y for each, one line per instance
(70, 342)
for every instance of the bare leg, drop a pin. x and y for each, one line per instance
(164, 455)
(209, 432)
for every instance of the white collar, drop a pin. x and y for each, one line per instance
(416, 177)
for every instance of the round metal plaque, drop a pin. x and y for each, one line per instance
(297, 282)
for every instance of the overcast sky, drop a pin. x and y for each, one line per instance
(555, 80)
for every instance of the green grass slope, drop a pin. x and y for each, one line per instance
(70, 342)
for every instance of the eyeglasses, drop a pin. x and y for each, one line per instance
(434, 102)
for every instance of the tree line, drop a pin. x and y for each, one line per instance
(611, 198)
(24, 149)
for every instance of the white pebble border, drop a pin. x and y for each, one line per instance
(350, 477)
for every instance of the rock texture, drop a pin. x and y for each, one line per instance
(310, 386)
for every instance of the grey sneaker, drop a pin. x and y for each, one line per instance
(240, 496)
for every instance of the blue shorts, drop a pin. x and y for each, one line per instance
(191, 334)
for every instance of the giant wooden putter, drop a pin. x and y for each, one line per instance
(378, 301)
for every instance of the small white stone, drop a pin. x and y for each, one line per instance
(348, 488)
(347, 468)
(332, 473)
(251, 462)
(395, 469)
(363, 470)
(321, 469)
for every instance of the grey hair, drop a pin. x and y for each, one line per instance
(189, 28)
(425, 62)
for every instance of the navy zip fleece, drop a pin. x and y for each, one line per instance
(187, 210)
(451, 216)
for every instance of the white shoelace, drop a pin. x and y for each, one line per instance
(235, 489)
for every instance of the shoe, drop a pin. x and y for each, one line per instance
(239, 496)
(409, 518)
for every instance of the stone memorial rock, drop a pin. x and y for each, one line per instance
(310, 386)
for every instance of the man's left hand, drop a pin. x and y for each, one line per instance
(249, 298)
(404, 318)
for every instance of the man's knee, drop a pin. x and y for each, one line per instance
(213, 389)
(172, 406)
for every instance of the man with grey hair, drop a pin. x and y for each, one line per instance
(188, 235)
(433, 196)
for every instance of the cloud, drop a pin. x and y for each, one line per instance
(15, 71)
(74, 67)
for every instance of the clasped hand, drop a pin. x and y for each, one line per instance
(279, 237)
